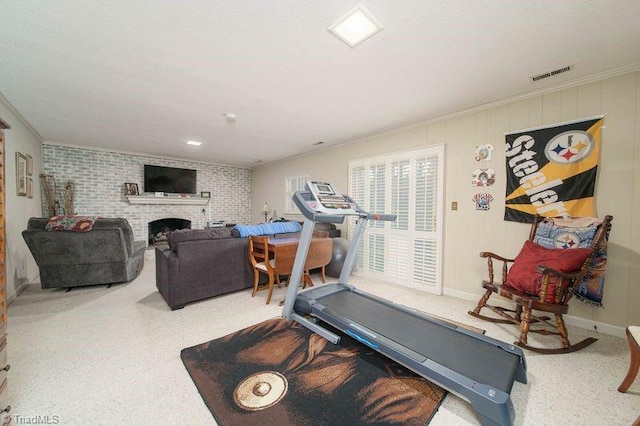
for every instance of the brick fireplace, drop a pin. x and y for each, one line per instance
(159, 228)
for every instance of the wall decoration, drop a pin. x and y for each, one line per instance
(483, 177)
(29, 165)
(482, 201)
(29, 187)
(483, 152)
(21, 174)
(551, 170)
(131, 189)
(68, 197)
(48, 184)
(205, 194)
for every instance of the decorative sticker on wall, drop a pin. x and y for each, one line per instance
(482, 201)
(483, 177)
(483, 152)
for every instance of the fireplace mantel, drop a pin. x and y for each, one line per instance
(151, 199)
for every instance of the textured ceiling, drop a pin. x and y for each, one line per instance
(147, 75)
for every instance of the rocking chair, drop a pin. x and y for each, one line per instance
(543, 279)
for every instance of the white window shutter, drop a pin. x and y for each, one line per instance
(410, 185)
(291, 185)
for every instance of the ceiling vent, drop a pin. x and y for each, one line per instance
(551, 73)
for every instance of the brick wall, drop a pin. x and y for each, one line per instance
(99, 178)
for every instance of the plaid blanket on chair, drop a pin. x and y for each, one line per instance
(574, 232)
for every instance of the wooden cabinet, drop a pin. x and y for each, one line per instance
(4, 367)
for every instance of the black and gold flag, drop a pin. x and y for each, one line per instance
(551, 171)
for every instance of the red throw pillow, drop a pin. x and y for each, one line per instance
(523, 276)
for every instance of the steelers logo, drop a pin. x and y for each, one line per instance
(566, 240)
(569, 147)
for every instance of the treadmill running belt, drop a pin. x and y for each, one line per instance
(476, 359)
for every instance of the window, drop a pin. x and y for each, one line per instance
(291, 185)
(410, 185)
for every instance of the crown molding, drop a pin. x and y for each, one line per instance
(15, 112)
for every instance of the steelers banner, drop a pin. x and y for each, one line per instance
(551, 171)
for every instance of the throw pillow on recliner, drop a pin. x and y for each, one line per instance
(524, 277)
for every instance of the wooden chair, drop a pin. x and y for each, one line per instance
(555, 289)
(633, 336)
(259, 258)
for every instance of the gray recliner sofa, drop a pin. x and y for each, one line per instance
(107, 254)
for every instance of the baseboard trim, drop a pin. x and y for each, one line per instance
(584, 323)
(17, 293)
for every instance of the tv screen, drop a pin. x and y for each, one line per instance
(169, 179)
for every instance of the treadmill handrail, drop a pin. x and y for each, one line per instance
(301, 200)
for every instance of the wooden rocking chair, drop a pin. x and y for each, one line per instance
(551, 287)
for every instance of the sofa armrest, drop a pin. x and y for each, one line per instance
(166, 273)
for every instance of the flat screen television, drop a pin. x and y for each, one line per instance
(169, 180)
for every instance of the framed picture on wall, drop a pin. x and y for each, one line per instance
(29, 187)
(29, 166)
(21, 174)
(205, 194)
(131, 189)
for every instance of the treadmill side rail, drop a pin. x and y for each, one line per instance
(492, 405)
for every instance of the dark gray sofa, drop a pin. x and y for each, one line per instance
(201, 263)
(107, 254)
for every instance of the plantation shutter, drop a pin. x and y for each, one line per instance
(408, 184)
(357, 192)
(291, 185)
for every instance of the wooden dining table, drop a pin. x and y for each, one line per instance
(284, 251)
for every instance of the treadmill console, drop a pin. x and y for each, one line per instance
(326, 200)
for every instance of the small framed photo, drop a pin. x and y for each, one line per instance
(29, 167)
(21, 174)
(29, 187)
(131, 189)
(205, 194)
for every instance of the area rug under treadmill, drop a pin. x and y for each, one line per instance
(279, 373)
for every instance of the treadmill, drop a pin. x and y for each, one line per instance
(477, 368)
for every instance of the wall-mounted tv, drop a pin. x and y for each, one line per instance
(169, 180)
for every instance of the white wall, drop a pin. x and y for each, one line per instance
(21, 268)
(468, 231)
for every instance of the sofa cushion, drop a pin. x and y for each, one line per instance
(181, 235)
(267, 229)
(524, 277)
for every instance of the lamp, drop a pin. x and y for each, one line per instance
(265, 210)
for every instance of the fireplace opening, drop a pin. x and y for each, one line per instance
(158, 229)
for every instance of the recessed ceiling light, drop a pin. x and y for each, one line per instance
(356, 26)
(194, 143)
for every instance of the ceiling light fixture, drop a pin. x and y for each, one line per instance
(356, 26)
(194, 143)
